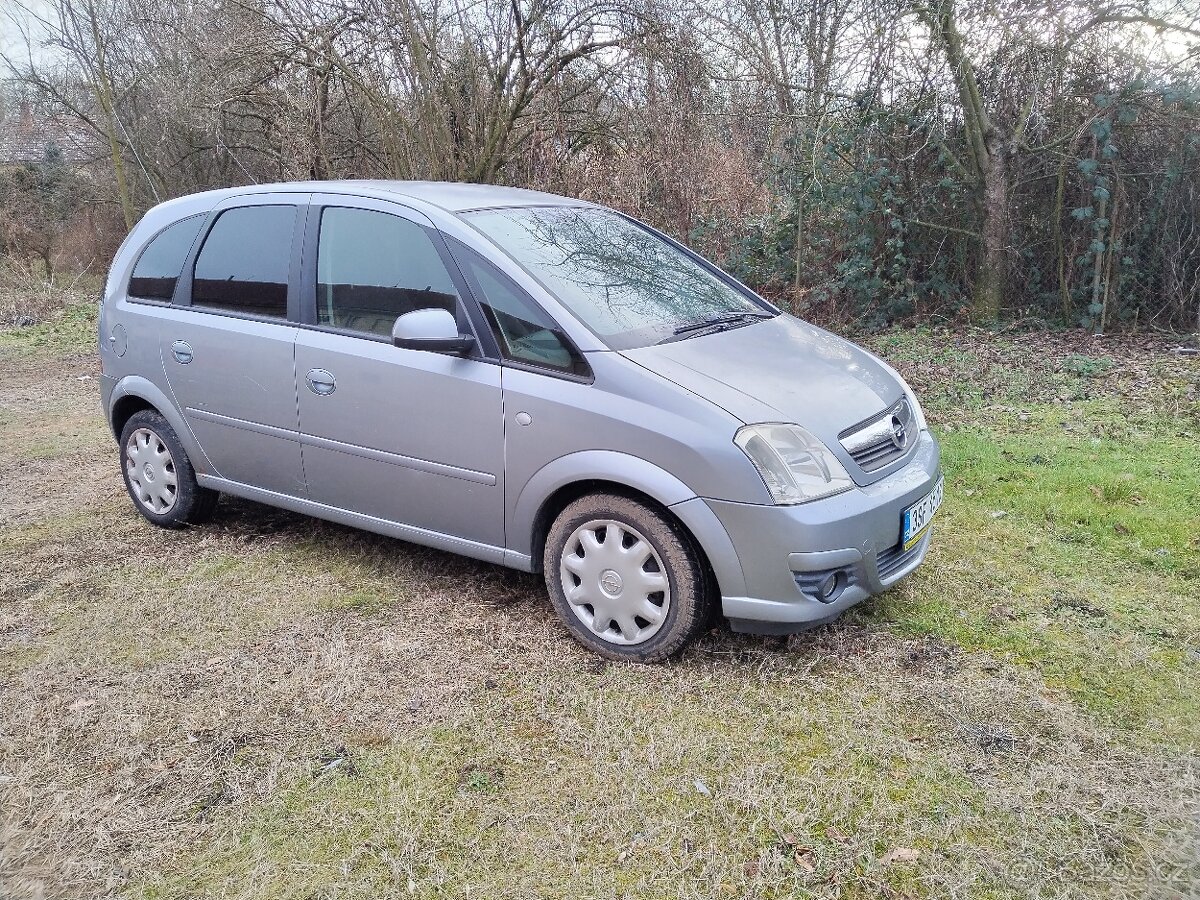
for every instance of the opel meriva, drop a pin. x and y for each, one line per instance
(530, 380)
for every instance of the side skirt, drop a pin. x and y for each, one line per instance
(486, 552)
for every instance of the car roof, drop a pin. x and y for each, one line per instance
(451, 196)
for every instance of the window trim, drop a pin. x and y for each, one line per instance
(477, 293)
(465, 314)
(159, 301)
(183, 290)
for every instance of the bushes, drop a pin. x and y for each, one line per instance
(1043, 161)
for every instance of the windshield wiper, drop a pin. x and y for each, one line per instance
(719, 322)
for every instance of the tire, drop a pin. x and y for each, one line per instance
(641, 598)
(159, 476)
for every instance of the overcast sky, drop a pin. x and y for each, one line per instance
(12, 43)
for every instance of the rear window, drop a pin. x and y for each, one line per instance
(243, 266)
(157, 270)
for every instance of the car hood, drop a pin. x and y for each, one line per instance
(779, 370)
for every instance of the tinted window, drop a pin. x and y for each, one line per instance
(624, 282)
(524, 331)
(243, 266)
(373, 267)
(159, 266)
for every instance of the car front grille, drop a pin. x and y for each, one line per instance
(890, 561)
(882, 439)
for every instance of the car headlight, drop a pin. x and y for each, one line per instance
(918, 413)
(794, 465)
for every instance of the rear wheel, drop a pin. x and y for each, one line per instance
(159, 476)
(625, 578)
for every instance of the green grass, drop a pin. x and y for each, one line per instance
(273, 707)
(1078, 559)
(72, 329)
(1070, 537)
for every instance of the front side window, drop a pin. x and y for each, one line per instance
(524, 331)
(243, 265)
(628, 285)
(373, 267)
(158, 267)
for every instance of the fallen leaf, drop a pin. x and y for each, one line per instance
(834, 835)
(1096, 492)
(751, 868)
(998, 514)
(702, 788)
(900, 854)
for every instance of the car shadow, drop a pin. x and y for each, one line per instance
(252, 523)
(498, 587)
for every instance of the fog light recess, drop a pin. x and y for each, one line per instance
(831, 588)
(825, 586)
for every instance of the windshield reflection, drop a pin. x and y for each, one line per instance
(625, 283)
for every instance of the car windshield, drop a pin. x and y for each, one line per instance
(624, 282)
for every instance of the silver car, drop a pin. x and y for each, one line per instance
(522, 378)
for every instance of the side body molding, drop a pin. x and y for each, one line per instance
(632, 472)
(137, 386)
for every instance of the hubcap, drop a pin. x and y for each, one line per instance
(151, 471)
(615, 582)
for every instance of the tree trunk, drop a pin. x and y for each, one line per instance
(103, 90)
(1064, 289)
(798, 261)
(993, 256)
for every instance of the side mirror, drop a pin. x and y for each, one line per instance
(430, 329)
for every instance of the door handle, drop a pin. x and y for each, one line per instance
(321, 382)
(182, 351)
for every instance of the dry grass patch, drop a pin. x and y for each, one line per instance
(274, 707)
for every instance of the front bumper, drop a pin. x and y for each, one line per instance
(785, 552)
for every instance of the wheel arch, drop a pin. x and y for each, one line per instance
(600, 471)
(134, 393)
(125, 408)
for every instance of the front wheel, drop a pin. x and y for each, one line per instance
(625, 578)
(159, 476)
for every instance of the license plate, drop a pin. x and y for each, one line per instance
(916, 518)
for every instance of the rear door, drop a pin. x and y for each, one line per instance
(408, 436)
(228, 348)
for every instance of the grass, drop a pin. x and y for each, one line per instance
(275, 707)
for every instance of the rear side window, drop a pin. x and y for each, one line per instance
(524, 331)
(373, 267)
(158, 267)
(243, 265)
